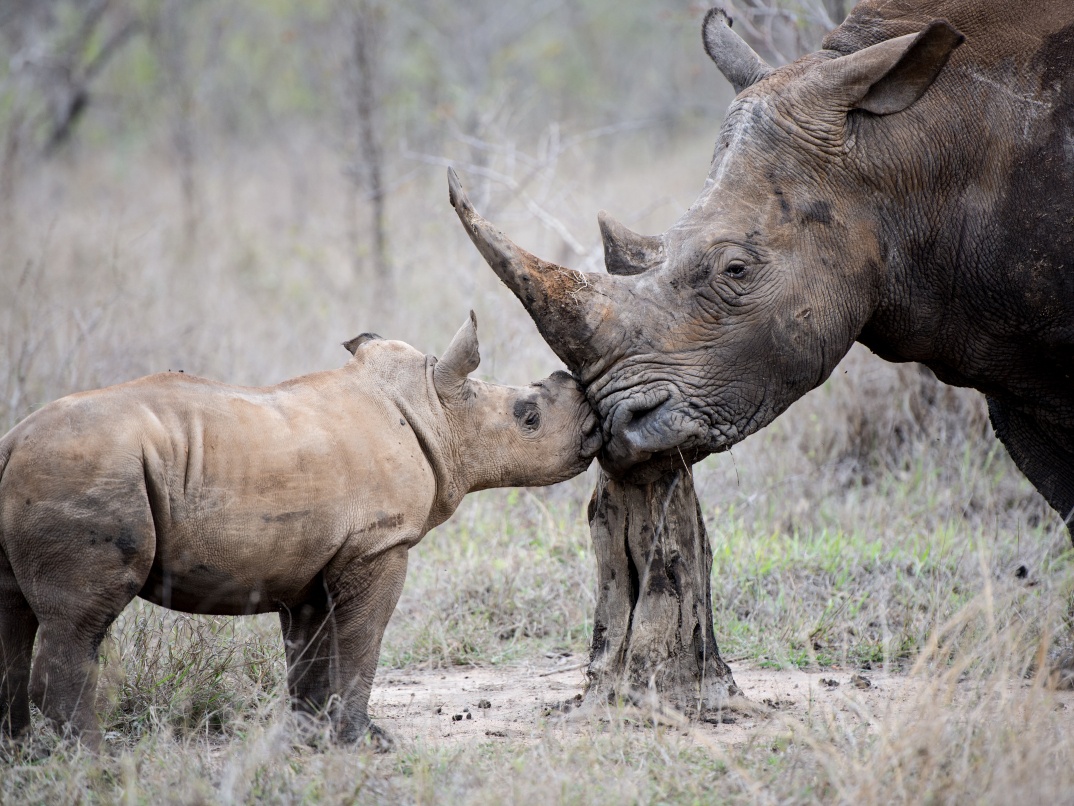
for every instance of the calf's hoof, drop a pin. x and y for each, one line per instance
(377, 739)
(1061, 672)
(25, 750)
(312, 730)
(365, 734)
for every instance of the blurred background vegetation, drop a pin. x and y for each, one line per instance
(218, 169)
(385, 88)
(233, 189)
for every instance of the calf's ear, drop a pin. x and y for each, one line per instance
(352, 345)
(889, 76)
(460, 359)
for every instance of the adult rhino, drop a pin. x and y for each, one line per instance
(910, 186)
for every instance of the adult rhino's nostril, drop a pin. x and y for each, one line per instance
(647, 429)
(631, 410)
(637, 430)
(638, 414)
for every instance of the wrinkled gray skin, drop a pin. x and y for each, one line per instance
(302, 498)
(911, 187)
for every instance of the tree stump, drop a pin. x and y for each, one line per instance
(652, 634)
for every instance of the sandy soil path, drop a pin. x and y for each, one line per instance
(466, 704)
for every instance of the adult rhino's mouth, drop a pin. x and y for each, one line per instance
(652, 426)
(649, 429)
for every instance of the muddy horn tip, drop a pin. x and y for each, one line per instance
(720, 15)
(456, 195)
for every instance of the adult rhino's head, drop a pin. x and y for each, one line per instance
(698, 337)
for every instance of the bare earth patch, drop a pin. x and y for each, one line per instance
(458, 705)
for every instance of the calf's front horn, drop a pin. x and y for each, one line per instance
(567, 306)
(737, 61)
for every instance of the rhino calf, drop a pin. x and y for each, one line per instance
(302, 499)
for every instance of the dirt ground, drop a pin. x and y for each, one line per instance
(464, 704)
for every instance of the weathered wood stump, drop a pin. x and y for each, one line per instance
(652, 634)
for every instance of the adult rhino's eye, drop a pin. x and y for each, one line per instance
(532, 420)
(736, 268)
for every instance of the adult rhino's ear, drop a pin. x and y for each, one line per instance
(460, 359)
(352, 345)
(890, 76)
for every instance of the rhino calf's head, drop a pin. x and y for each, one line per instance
(477, 435)
(509, 436)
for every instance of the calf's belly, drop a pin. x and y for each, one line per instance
(204, 589)
(224, 569)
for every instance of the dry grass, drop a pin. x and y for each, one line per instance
(876, 523)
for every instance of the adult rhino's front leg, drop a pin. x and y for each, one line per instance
(363, 595)
(1046, 456)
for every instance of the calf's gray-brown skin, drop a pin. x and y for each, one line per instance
(302, 498)
(910, 186)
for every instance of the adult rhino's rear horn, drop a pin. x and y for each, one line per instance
(626, 252)
(568, 306)
(737, 61)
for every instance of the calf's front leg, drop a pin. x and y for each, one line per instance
(364, 594)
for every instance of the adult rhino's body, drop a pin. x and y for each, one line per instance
(301, 498)
(911, 186)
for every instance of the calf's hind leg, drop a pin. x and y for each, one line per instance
(63, 683)
(308, 642)
(75, 606)
(18, 626)
(64, 680)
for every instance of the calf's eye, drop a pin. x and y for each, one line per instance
(527, 415)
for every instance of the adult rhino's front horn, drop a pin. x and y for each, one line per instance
(574, 311)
